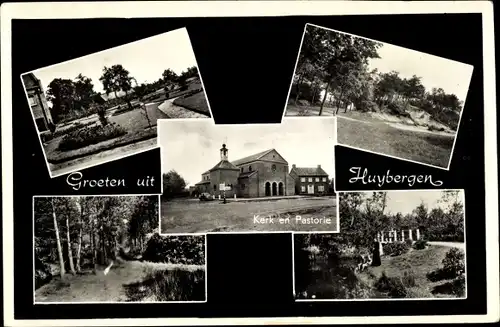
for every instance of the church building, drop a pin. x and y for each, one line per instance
(262, 174)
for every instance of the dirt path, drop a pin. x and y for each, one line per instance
(172, 111)
(458, 245)
(100, 287)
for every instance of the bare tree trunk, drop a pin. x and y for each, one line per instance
(58, 240)
(324, 98)
(80, 239)
(70, 251)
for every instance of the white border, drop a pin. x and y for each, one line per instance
(365, 150)
(138, 151)
(255, 8)
(462, 193)
(106, 302)
(252, 232)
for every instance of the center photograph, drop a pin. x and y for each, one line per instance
(248, 178)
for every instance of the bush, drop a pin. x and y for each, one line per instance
(175, 249)
(454, 262)
(420, 245)
(169, 285)
(395, 249)
(43, 274)
(101, 113)
(90, 135)
(393, 286)
(409, 242)
(76, 126)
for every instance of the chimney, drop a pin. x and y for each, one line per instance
(319, 166)
(293, 166)
(223, 153)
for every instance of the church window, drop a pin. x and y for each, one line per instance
(249, 168)
(273, 168)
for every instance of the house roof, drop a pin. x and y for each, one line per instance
(251, 158)
(306, 171)
(247, 174)
(224, 164)
(202, 182)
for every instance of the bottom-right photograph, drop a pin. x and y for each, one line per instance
(392, 245)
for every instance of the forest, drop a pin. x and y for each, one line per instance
(346, 265)
(333, 70)
(78, 238)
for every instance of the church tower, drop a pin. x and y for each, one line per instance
(223, 153)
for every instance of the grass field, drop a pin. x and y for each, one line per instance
(129, 281)
(196, 102)
(416, 263)
(379, 137)
(295, 110)
(194, 216)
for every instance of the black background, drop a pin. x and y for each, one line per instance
(247, 65)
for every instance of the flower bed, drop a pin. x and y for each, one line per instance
(90, 135)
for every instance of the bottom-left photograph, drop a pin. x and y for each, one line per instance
(106, 249)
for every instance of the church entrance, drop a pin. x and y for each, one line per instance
(310, 189)
(275, 191)
(280, 188)
(268, 189)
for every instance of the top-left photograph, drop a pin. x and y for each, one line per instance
(105, 106)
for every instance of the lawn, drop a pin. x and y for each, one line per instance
(416, 263)
(379, 137)
(295, 110)
(194, 216)
(196, 102)
(129, 281)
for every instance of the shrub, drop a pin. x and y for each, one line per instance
(43, 274)
(435, 128)
(420, 245)
(169, 285)
(395, 249)
(393, 286)
(453, 262)
(409, 242)
(175, 249)
(101, 113)
(76, 126)
(90, 135)
(458, 286)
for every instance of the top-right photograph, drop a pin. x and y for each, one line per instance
(388, 100)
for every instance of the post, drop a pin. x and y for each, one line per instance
(235, 195)
(411, 234)
(402, 235)
(224, 194)
(395, 235)
(418, 234)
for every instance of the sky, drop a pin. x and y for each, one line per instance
(192, 146)
(405, 202)
(145, 59)
(452, 76)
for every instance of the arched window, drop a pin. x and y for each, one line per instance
(273, 168)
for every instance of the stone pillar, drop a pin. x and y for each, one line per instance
(418, 234)
(411, 234)
(381, 236)
(395, 235)
(402, 235)
(380, 249)
(219, 196)
(235, 196)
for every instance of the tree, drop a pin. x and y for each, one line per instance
(84, 92)
(61, 92)
(62, 270)
(115, 79)
(173, 184)
(169, 77)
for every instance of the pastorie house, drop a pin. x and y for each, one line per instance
(259, 175)
(310, 180)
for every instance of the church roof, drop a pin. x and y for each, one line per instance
(224, 164)
(306, 171)
(251, 158)
(247, 174)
